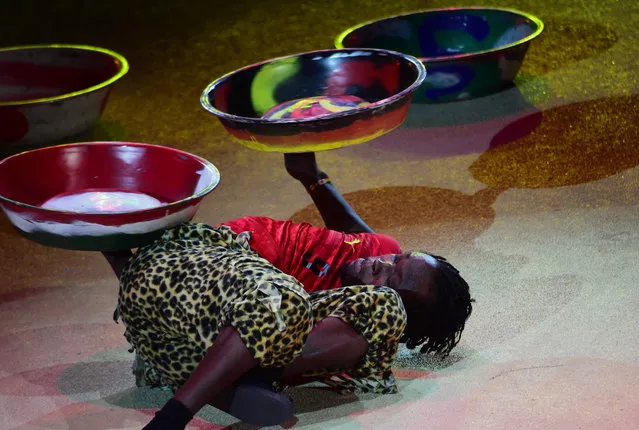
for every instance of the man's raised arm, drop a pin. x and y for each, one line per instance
(335, 211)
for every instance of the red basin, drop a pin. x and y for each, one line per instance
(102, 196)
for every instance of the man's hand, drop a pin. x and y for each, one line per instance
(335, 211)
(303, 167)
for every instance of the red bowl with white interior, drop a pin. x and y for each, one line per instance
(102, 196)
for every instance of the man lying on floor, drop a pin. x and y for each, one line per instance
(230, 315)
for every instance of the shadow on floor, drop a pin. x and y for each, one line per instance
(568, 145)
(435, 210)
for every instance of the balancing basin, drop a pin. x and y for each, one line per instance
(102, 196)
(317, 100)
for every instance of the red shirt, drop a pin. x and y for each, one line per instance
(313, 255)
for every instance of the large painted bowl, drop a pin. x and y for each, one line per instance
(51, 92)
(102, 196)
(469, 52)
(383, 80)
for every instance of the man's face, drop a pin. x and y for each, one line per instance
(401, 272)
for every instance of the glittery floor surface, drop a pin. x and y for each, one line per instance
(531, 192)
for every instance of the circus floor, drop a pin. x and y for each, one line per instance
(531, 192)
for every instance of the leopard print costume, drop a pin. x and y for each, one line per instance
(177, 293)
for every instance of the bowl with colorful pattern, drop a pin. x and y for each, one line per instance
(469, 51)
(315, 101)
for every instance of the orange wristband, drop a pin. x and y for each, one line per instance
(319, 183)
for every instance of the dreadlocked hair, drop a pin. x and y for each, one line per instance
(436, 324)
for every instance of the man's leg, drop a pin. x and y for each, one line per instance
(332, 345)
(221, 366)
(354, 327)
(254, 334)
(344, 325)
(118, 260)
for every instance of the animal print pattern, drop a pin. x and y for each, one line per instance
(376, 313)
(176, 295)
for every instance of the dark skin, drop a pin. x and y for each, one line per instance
(407, 273)
(332, 344)
(337, 214)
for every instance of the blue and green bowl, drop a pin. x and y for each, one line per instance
(468, 52)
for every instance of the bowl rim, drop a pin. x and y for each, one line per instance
(339, 40)
(421, 76)
(123, 70)
(205, 163)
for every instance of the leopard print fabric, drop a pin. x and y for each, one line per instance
(176, 295)
(376, 313)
